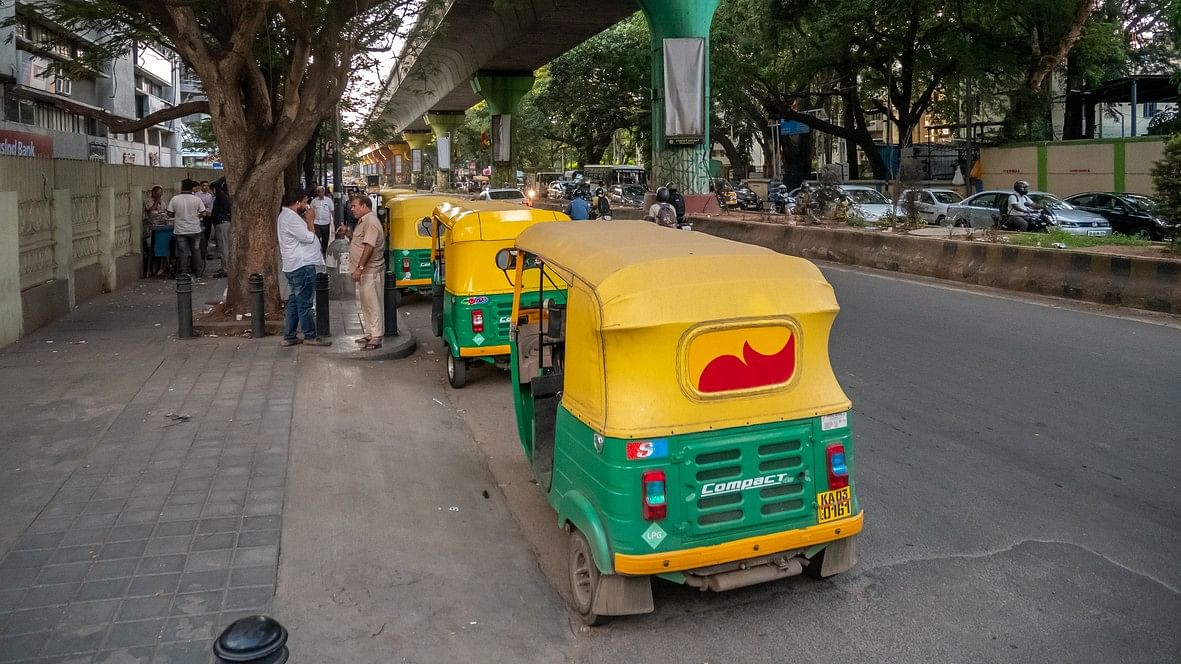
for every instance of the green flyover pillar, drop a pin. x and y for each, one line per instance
(417, 139)
(682, 26)
(503, 92)
(444, 125)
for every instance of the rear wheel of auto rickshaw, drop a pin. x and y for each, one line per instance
(584, 580)
(456, 370)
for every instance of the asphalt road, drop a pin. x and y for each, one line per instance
(1018, 466)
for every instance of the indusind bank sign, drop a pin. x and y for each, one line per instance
(21, 144)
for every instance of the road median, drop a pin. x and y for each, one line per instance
(1128, 281)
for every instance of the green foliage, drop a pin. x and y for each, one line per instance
(1074, 241)
(1166, 178)
(199, 136)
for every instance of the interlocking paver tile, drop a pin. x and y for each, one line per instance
(162, 564)
(252, 576)
(187, 628)
(257, 597)
(141, 608)
(83, 614)
(142, 655)
(256, 555)
(185, 652)
(22, 646)
(41, 541)
(112, 569)
(207, 580)
(27, 559)
(131, 549)
(166, 545)
(31, 620)
(76, 554)
(258, 538)
(176, 528)
(128, 634)
(124, 533)
(260, 523)
(85, 536)
(51, 574)
(105, 589)
(204, 561)
(191, 604)
(76, 640)
(58, 593)
(219, 525)
(214, 541)
(155, 584)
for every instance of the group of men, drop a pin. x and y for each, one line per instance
(200, 211)
(304, 227)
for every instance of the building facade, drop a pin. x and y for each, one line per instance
(138, 83)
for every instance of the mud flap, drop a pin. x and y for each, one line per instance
(839, 556)
(619, 595)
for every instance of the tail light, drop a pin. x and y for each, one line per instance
(655, 504)
(838, 469)
(477, 320)
(406, 265)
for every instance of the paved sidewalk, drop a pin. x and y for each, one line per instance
(155, 520)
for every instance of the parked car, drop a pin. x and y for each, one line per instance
(510, 195)
(930, 204)
(627, 195)
(984, 211)
(747, 199)
(866, 202)
(1130, 214)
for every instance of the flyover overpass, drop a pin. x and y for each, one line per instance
(487, 36)
(494, 46)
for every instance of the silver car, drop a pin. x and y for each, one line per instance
(930, 204)
(983, 210)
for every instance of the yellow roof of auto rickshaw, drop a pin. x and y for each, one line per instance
(643, 274)
(489, 220)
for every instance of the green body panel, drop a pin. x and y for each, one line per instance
(457, 321)
(420, 266)
(607, 485)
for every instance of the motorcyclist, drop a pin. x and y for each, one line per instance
(1020, 209)
(662, 212)
(677, 201)
(780, 198)
(600, 206)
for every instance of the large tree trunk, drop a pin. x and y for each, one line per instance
(255, 205)
(737, 162)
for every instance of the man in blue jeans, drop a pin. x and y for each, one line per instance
(299, 248)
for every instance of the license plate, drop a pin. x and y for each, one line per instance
(833, 505)
(1096, 233)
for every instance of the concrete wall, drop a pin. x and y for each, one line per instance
(1070, 167)
(69, 230)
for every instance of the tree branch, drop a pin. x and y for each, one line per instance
(121, 125)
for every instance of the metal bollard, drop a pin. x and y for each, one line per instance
(254, 639)
(323, 327)
(258, 306)
(184, 306)
(391, 305)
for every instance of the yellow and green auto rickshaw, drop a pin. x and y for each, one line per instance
(679, 410)
(410, 238)
(471, 298)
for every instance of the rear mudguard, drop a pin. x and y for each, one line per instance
(575, 510)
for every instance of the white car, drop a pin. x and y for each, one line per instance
(930, 204)
(510, 195)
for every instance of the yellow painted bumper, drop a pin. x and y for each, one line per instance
(484, 351)
(751, 547)
(413, 283)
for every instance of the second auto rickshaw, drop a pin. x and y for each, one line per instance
(471, 298)
(678, 408)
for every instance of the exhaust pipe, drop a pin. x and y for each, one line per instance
(740, 578)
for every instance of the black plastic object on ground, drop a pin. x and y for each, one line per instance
(254, 639)
(258, 306)
(184, 306)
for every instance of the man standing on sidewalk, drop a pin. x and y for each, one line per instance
(367, 259)
(187, 210)
(206, 197)
(323, 206)
(300, 250)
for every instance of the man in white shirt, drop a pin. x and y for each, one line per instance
(323, 207)
(186, 211)
(299, 249)
(1019, 209)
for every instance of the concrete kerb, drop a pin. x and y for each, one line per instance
(1141, 283)
(392, 348)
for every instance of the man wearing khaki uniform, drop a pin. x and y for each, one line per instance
(367, 259)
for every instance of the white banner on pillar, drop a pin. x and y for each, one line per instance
(502, 137)
(416, 160)
(444, 144)
(684, 89)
